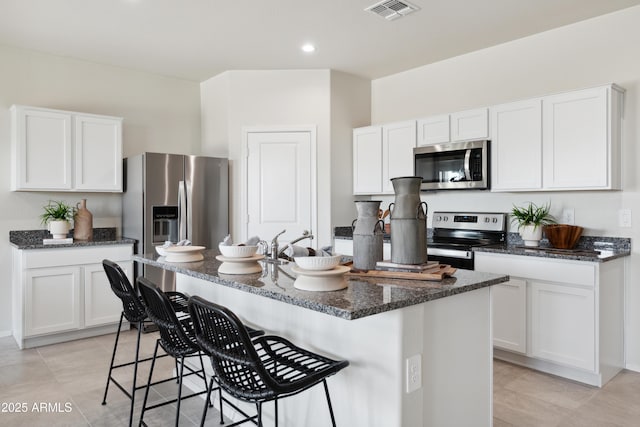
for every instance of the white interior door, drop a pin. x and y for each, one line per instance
(280, 184)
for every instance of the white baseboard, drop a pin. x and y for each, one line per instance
(632, 367)
(5, 334)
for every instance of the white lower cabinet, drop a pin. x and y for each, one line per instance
(559, 316)
(509, 300)
(62, 294)
(563, 324)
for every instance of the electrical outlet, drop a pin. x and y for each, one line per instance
(568, 216)
(624, 218)
(414, 373)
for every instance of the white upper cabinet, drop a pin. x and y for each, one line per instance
(581, 139)
(41, 150)
(98, 153)
(54, 150)
(516, 146)
(398, 142)
(434, 130)
(381, 153)
(569, 141)
(470, 124)
(367, 160)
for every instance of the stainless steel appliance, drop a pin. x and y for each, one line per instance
(453, 166)
(455, 234)
(174, 197)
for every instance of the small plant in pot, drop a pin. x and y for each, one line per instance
(531, 219)
(57, 216)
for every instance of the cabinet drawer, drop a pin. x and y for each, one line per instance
(579, 273)
(38, 258)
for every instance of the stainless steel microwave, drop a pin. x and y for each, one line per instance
(453, 166)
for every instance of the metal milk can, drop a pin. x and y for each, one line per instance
(367, 235)
(408, 222)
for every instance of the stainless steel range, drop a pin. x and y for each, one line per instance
(455, 234)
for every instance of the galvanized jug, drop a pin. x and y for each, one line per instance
(367, 235)
(408, 222)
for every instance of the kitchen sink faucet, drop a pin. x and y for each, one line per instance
(276, 252)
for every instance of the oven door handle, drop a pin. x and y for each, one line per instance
(467, 165)
(452, 253)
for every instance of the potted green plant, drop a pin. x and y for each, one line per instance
(530, 219)
(57, 216)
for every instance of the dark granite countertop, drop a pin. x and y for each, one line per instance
(588, 248)
(363, 296)
(32, 239)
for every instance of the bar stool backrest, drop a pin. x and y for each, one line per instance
(133, 309)
(235, 360)
(173, 336)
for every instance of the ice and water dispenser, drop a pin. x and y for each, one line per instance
(165, 224)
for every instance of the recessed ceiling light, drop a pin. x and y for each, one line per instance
(308, 48)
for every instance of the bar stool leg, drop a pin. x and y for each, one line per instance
(146, 392)
(326, 391)
(275, 404)
(179, 391)
(113, 357)
(135, 373)
(259, 406)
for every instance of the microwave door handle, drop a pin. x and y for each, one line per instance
(182, 211)
(467, 165)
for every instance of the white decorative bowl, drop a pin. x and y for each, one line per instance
(184, 253)
(317, 263)
(162, 250)
(237, 251)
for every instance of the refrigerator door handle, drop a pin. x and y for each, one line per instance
(182, 211)
(189, 225)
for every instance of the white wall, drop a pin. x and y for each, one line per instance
(590, 53)
(160, 114)
(234, 100)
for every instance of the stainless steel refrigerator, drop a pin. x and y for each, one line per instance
(174, 197)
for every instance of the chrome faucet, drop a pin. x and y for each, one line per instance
(274, 245)
(305, 235)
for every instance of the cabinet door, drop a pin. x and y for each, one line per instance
(41, 149)
(470, 124)
(434, 130)
(576, 140)
(509, 302)
(516, 146)
(101, 306)
(563, 324)
(52, 300)
(398, 142)
(98, 153)
(367, 160)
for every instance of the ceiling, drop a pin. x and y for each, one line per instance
(197, 39)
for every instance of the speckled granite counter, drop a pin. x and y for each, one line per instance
(363, 297)
(589, 248)
(32, 239)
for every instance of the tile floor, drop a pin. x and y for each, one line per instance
(523, 398)
(62, 385)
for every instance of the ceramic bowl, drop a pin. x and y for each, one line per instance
(317, 262)
(238, 251)
(563, 236)
(162, 250)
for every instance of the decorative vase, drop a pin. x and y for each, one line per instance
(367, 235)
(531, 234)
(82, 222)
(59, 229)
(408, 222)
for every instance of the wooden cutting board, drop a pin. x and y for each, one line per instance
(438, 272)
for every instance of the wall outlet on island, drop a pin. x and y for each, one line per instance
(414, 373)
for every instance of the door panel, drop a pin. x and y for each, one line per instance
(279, 181)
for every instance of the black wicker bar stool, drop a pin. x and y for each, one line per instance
(133, 310)
(261, 370)
(176, 339)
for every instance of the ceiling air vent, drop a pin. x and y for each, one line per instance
(392, 9)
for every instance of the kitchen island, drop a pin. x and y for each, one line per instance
(420, 353)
